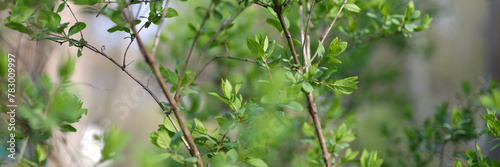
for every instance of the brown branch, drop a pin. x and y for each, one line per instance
(312, 107)
(278, 10)
(151, 60)
(92, 48)
(329, 28)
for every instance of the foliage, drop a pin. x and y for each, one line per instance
(258, 121)
(491, 101)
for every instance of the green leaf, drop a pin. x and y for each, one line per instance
(255, 162)
(479, 152)
(199, 127)
(232, 155)
(18, 27)
(41, 152)
(255, 47)
(102, 9)
(62, 27)
(352, 8)
(79, 53)
(347, 85)
(296, 42)
(275, 23)
(225, 121)
(20, 13)
(290, 77)
(155, 7)
(169, 75)
(217, 14)
(171, 13)
(459, 163)
(168, 125)
(85, 2)
(119, 28)
(257, 151)
(306, 87)
(67, 128)
(49, 19)
(66, 69)
(227, 89)
(153, 137)
(237, 87)
(320, 50)
(226, 100)
(294, 106)
(336, 47)
(409, 10)
(66, 107)
(114, 141)
(190, 159)
(161, 157)
(176, 141)
(163, 139)
(308, 130)
(76, 28)
(61, 7)
(219, 160)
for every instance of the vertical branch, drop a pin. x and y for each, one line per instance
(278, 9)
(151, 60)
(158, 31)
(312, 107)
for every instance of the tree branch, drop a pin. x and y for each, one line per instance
(312, 107)
(181, 77)
(151, 60)
(123, 68)
(278, 10)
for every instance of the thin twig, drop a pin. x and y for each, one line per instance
(228, 21)
(221, 140)
(183, 72)
(23, 148)
(151, 60)
(81, 34)
(329, 28)
(158, 31)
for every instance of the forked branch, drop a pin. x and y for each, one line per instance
(312, 107)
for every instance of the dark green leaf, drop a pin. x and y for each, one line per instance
(18, 27)
(85, 2)
(61, 7)
(76, 28)
(67, 128)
